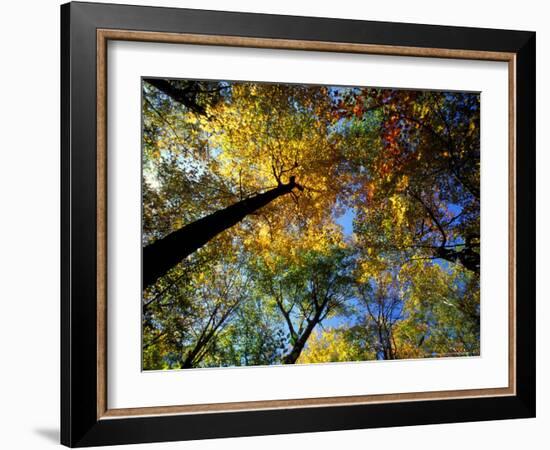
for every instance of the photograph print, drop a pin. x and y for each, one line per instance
(300, 224)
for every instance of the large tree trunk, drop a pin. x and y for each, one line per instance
(165, 253)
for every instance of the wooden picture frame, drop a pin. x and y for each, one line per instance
(86, 418)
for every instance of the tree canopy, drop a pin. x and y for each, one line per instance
(289, 224)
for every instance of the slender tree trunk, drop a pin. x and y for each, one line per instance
(294, 354)
(165, 253)
(188, 361)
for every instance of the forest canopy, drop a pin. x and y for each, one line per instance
(290, 223)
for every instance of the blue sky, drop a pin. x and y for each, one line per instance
(346, 221)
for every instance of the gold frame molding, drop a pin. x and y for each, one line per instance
(105, 35)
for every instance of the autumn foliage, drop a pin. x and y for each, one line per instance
(291, 224)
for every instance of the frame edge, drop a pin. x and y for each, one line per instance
(77, 429)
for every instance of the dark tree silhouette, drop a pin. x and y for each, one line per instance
(165, 253)
(195, 96)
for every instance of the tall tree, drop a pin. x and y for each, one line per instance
(307, 293)
(414, 187)
(383, 307)
(269, 142)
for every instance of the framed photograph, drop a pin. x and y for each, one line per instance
(276, 224)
